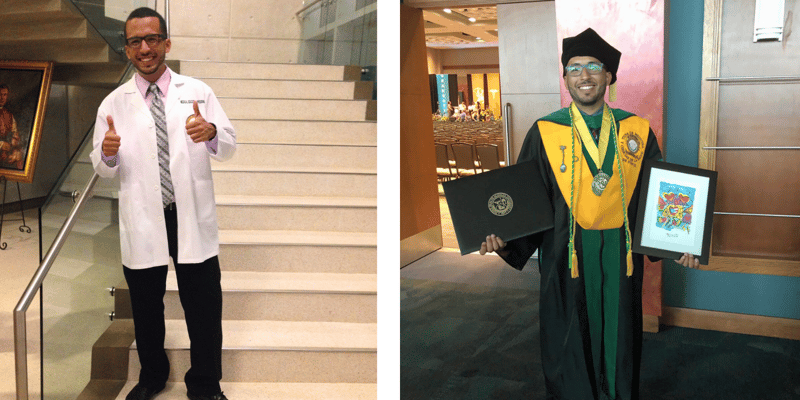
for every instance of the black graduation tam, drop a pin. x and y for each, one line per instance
(589, 43)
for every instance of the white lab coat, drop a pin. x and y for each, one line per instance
(143, 235)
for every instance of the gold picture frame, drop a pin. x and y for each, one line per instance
(22, 108)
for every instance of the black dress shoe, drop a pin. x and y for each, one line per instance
(218, 396)
(141, 392)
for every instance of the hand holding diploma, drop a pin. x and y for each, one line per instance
(492, 244)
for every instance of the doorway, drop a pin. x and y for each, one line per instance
(486, 55)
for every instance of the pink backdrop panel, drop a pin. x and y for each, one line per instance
(636, 29)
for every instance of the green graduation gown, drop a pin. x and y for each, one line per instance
(575, 347)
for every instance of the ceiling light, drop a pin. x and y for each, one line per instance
(477, 38)
(447, 10)
(472, 19)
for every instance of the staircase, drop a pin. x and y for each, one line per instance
(56, 30)
(298, 219)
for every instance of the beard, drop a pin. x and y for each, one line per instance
(586, 101)
(152, 67)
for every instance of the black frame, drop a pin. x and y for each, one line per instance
(645, 196)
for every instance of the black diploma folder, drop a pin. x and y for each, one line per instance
(509, 202)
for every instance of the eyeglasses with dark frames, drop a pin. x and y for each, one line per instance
(151, 40)
(577, 69)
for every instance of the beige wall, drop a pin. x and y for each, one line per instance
(464, 61)
(461, 3)
(235, 30)
(434, 61)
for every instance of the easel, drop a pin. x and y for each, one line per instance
(23, 227)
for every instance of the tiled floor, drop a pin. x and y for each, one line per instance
(19, 260)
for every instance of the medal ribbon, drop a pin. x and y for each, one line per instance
(598, 155)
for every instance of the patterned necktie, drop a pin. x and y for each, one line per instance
(157, 109)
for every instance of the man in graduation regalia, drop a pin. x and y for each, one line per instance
(590, 157)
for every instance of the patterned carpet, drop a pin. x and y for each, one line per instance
(469, 330)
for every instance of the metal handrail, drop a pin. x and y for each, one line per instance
(306, 7)
(20, 325)
(20, 332)
(166, 13)
(753, 148)
(757, 215)
(507, 122)
(754, 79)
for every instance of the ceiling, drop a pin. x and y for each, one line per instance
(451, 30)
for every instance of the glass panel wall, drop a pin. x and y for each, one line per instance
(341, 32)
(108, 17)
(75, 302)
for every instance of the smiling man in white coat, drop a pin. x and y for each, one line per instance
(157, 133)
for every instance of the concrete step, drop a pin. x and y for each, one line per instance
(97, 210)
(306, 132)
(86, 249)
(265, 181)
(331, 214)
(297, 238)
(277, 181)
(72, 51)
(95, 235)
(79, 176)
(290, 89)
(275, 391)
(97, 75)
(69, 27)
(231, 70)
(296, 251)
(304, 156)
(35, 10)
(53, 30)
(280, 296)
(272, 256)
(280, 351)
(294, 109)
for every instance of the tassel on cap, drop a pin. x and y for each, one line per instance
(612, 92)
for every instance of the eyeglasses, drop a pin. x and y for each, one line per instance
(577, 69)
(151, 40)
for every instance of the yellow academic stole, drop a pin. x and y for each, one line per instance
(592, 211)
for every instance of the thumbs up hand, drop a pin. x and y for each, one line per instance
(198, 128)
(111, 140)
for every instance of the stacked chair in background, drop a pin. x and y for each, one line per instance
(465, 149)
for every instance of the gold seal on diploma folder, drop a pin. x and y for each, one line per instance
(509, 202)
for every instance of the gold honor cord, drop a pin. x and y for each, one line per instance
(629, 253)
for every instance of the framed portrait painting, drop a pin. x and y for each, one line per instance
(676, 210)
(24, 90)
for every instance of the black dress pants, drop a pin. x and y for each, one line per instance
(201, 297)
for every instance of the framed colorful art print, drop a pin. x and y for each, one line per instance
(676, 211)
(24, 90)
